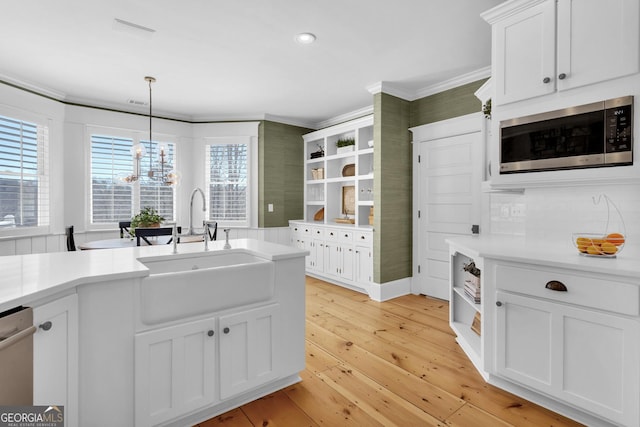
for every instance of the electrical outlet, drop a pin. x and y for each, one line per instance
(270, 207)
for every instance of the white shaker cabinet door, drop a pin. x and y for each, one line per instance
(586, 358)
(524, 54)
(597, 41)
(174, 371)
(249, 349)
(55, 356)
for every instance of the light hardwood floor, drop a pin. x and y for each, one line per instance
(394, 363)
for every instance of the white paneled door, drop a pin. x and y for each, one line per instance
(448, 159)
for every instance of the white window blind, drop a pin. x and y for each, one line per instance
(227, 179)
(24, 174)
(112, 199)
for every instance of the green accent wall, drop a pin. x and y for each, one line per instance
(392, 184)
(451, 103)
(280, 168)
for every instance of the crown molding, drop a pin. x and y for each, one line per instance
(30, 87)
(507, 9)
(391, 89)
(365, 111)
(463, 79)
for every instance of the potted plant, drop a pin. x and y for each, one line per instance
(148, 217)
(345, 144)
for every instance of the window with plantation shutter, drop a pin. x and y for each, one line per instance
(112, 199)
(227, 182)
(24, 174)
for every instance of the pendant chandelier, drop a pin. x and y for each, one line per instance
(163, 172)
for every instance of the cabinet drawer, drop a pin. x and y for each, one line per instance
(332, 234)
(364, 237)
(345, 236)
(603, 294)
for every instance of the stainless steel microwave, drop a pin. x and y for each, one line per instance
(587, 136)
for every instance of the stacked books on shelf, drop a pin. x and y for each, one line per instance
(472, 288)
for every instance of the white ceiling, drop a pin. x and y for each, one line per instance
(237, 59)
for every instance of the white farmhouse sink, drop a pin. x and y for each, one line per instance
(179, 287)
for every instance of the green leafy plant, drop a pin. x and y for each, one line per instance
(486, 109)
(147, 217)
(345, 142)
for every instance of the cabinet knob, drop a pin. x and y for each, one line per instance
(499, 303)
(546, 80)
(225, 330)
(562, 76)
(210, 332)
(46, 325)
(555, 285)
(362, 237)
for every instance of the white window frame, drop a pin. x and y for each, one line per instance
(44, 174)
(252, 179)
(136, 136)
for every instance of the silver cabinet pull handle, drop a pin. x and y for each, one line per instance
(11, 340)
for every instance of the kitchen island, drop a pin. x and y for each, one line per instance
(131, 344)
(553, 326)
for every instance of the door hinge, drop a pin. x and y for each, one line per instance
(418, 214)
(418, 269)
(418, 158)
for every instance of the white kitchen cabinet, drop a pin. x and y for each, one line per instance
(55, 356)
(542, 46)
(341, 255)
(249, 349)
(175, 371)
(570, 343)
(363, 264)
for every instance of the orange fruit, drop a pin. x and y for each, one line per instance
(609, 248)
(615, 238)
(594, 250)
(582, 243)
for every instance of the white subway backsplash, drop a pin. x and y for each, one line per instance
(554, 213)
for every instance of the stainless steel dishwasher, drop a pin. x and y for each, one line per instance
(16, 357)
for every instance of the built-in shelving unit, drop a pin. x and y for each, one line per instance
(340, 173)
(465, 314)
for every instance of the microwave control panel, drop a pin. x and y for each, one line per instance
(619, 132)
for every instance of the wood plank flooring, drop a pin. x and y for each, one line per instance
(394, 363)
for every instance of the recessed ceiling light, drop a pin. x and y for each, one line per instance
(305, 38)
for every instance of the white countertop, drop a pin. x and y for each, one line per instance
(552, 254)
(28, 278)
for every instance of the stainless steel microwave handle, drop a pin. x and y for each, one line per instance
(11, 340)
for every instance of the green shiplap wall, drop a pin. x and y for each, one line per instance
(392, 189)
(280, 167)
(451, 103)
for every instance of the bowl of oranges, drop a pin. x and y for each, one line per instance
(600, 245)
